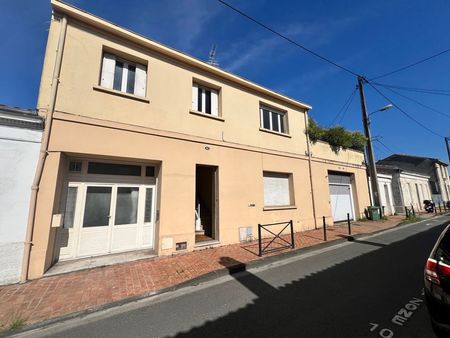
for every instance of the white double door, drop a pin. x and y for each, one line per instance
(109, 218)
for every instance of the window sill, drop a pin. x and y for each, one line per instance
(217, 118)
(275, 132)
(118, 93)
(281, 207)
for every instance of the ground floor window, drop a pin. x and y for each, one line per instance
(277, 189)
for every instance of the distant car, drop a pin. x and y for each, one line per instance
(437, 283)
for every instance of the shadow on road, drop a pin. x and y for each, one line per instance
(339, 301)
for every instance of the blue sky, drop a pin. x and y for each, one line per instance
(369, 37)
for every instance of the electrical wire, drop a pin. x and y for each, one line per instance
(416, 102)
(403, 111)
(410, 65)
(344, 106)
(412, 88)
(385, 146)
(323, 58)
(417, 90)
(380, 149)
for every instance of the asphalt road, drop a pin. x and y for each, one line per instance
(352, 290)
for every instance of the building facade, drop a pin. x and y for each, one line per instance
(409, 189)
(20, 138)
(386, 196)
(151, 149)
(435, 169)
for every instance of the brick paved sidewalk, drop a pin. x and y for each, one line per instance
(60, 295)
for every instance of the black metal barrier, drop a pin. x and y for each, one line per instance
(264, 226)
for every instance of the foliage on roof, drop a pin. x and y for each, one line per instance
(337, 137)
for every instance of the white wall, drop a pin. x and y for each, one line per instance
(19, 151)
(408, 184)
(383, 180)
(389, 205)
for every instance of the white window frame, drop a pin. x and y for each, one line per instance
(109, 70)
(281, 116)
(215, 111)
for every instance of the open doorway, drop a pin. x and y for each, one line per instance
(205, 203)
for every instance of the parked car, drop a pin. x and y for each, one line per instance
(437, 283)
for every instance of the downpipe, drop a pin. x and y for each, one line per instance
(43, 152)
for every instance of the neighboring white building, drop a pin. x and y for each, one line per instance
(433, 168)
(20, 138)
(386, 197)
(408, 188)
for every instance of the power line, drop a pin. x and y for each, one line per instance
(380, 149)
(417, 102)
(323, 58)
(344, 106)
(384, 145)
(403, 111)
(412, 88)
(417, 90)
(410, 65)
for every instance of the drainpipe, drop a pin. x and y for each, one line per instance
(308, 149)
(43, 152)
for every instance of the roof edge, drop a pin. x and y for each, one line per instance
(86, 17)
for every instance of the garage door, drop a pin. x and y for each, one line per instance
(341, 202)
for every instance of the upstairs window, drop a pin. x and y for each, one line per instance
(205, 100)
(124, 76)
(273, 120)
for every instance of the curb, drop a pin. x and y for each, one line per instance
(206, 278)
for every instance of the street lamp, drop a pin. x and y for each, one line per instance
(386, 107)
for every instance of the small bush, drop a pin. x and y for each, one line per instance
(17, 323)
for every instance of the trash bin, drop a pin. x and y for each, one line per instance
(374, 213)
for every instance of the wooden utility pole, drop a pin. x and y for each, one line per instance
(369, 148)
(447, 140)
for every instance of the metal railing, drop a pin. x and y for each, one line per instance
(261, 227)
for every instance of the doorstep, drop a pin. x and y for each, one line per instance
(98, 261)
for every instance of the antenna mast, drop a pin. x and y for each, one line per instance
(212, 59)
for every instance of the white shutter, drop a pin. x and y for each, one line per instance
(140, 82)
(109, 63)
(276, 189)
(194, 96)
(214, 103)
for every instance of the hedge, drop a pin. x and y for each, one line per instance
(337, 137)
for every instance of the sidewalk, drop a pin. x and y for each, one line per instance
(61, 295)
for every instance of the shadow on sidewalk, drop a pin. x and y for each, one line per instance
(250, 281)
(339, 301)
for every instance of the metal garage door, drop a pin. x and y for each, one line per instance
(341, 196)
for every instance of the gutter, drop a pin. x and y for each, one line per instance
(308, 149)
(43, 152)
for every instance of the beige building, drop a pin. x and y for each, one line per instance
(150, 149)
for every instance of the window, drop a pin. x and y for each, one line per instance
(277, 189)
(273, 120)
(69, 213)
(205, 100)
(126, 205)
(123, 76)
(75, 166)
(114, 169)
